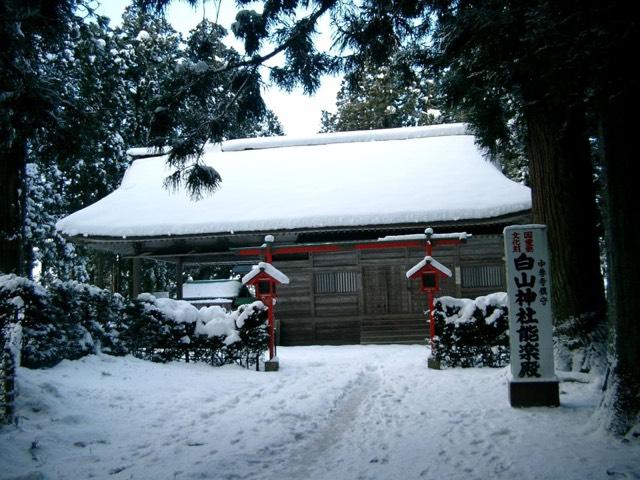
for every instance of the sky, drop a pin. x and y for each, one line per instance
(299, 113)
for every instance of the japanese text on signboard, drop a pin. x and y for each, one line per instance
(530, 282)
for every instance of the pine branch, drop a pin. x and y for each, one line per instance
(258, 60)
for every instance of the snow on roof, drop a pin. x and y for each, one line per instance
(428, 260)
(462, 236)
(147, 151)
(404, 133)
(211, 289)
(428, 175)
(267, 268)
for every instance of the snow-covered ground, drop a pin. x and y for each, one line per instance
(353, 412)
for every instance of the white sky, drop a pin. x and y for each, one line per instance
(298, 113)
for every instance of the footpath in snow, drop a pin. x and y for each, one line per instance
(334, 413)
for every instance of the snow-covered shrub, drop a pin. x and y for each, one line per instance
(237, 337)
(65, 321)
(101, 311)
(472, 333)
(215, 330)
(153, 329)
(68, 320)
(21, 298)
(252, 334)
(163, 330)
(69, 316)
(26, 302)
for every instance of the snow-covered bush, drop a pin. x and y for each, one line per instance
(68, 320)
(472, 333)
(26, 302)
(251, 335)
(214, 332)
(101, 311)
(163, 330)
(222, 337)
(157, 329)
(71, 321)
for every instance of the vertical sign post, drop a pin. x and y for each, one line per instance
(533, 381)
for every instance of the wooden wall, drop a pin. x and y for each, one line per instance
(364, 296)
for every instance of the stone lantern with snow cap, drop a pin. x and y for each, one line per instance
(264, 277)
(429, 271)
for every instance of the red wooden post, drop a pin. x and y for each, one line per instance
(265, 277)
(268, 258)
(268, 300)
(428, 248)
(429, 271)
(432, 323)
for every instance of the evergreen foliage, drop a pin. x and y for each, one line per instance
(105, 92)
(69, 320)
(479, 338)
(44, 204)
(384, 97)
(149, 334)
(28, 101)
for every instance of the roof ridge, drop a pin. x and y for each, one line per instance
(402, 133)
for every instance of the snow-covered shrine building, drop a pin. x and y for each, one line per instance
(321, 191)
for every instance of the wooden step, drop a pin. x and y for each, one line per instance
(407, 330)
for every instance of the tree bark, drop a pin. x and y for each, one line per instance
(564, 198)
(11, 212)
(622, 224)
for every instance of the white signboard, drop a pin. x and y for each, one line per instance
(529, 289)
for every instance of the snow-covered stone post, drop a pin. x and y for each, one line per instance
(533, 381)
(429, 271)
(264, 277)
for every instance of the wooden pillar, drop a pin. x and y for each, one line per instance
(115, 274)
(98, 280)
(136, 276)
(179, 278)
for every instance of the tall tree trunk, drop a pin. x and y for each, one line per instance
(622, 224)
(11, 211)
(564, 199)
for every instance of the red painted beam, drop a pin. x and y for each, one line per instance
(337, 247)
(447, 241)
(290, 249)
(307, 249)
(396, 244)
(250, 251)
